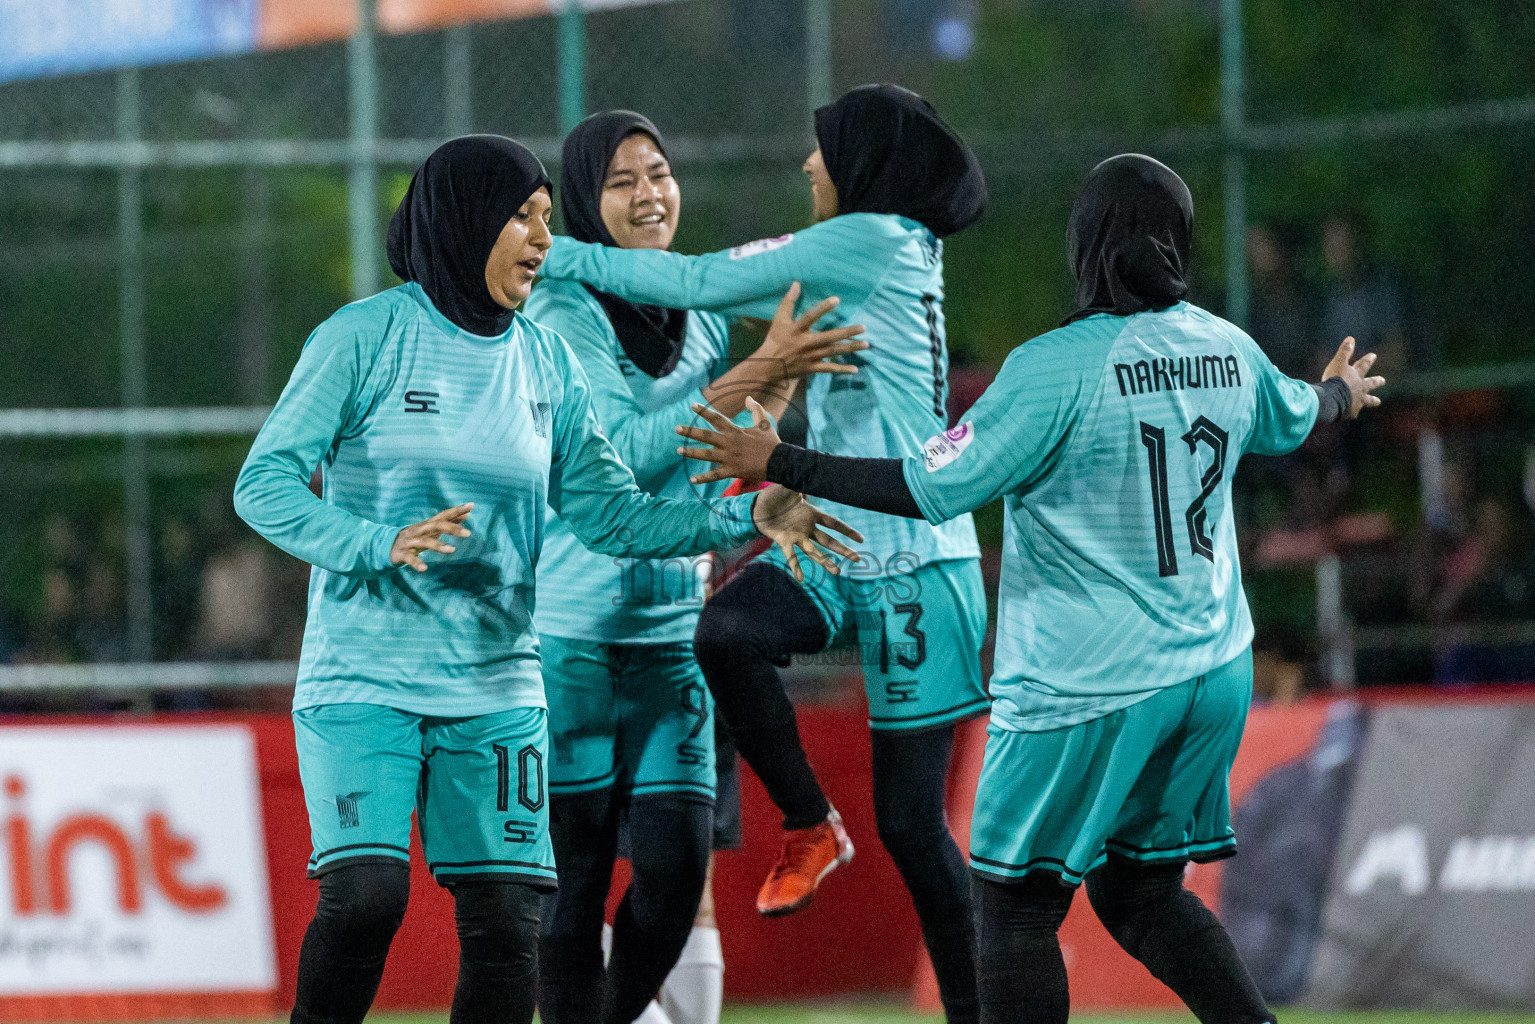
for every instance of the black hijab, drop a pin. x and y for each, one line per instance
(447, 224)
(888, 151)
(651, 336)
(1131, 230)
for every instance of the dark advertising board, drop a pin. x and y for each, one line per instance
(1431, 900)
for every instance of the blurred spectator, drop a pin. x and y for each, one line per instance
(290, 604)
(236, 611)
(1279, 318)
(13, 635)
(63, 547)
(1362, 301)
(100, 634)
(51, 638)
(1487, 577)
(178, 577)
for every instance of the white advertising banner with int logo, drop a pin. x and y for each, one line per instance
(132, 862)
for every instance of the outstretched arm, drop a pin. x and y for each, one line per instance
(1009, 439)
(756, 453)
(828, 259)
(597, 496)
(1288, 410)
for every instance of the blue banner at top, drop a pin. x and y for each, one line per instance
(52, 37)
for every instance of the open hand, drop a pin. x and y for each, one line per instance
(425, 536)
(737, 452)
(1353, 374)
(796, 348)
(788, 520)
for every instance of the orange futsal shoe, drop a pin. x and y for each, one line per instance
(808, 855)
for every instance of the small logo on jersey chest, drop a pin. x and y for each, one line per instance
(540, 413)
(421, 401)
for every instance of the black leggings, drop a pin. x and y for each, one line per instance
(1149, 913)
(754, 624)
(360, 909)
(911, 772)
(669, 840)
(745, 633)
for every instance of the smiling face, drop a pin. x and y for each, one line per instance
(519, 251)
(823, 194)
(640, 201)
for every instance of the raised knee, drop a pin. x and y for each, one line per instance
(723, 633)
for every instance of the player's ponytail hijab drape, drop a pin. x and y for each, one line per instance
(1131, 231)
(651, 336)
(447, 224)
(887, 151)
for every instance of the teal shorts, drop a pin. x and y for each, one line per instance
(1146, 782)
(636, 717)
(917, 635)
(477, 785)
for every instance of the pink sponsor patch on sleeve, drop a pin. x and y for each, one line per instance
(941, 449)
(760, 246)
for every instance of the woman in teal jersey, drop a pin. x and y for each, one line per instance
(1123, 672)
(889, 181)
(630, 723)
(419, 686)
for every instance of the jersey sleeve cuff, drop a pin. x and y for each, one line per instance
(383, 543)
(914, 470)
(733, 519)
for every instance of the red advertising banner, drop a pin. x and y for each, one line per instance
(156, 869)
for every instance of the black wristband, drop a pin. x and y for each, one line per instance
(878, 485)
(1333, 400)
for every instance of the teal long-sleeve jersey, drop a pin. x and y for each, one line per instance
(584, 594)
(410, 415)
(888, 273)
(1113, 442)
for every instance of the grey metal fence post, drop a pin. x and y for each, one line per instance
(572, 51)
(362, 185)
(1233, 131)
(817, 53)
(457, 83)
(133, 381)
(1335, 632)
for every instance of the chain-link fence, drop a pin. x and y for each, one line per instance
(170, 234)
